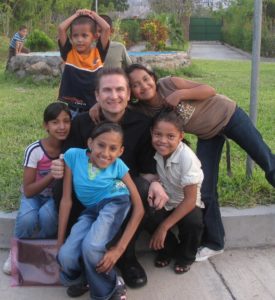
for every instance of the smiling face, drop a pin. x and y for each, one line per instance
(59, 128)
(106, 148)
(143, 85)
(23, 32)
(82, 38)
(165, 138)
(113, 95)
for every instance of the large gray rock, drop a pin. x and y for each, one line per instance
(41, 68)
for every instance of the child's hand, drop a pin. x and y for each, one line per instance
(94, 113)
(108, 261)
(92, 14)
(158, 238)
(173, 99)
(57, 168)
(83, 12)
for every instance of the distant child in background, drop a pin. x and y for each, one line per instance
(117, 55)
(17, 43)
(180, 173)
(37, 215)
(102, 183)
(82, 58)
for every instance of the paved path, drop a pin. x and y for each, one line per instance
(215, 51)
(236, 274)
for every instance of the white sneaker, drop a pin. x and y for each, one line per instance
(7, 265)
(204, 253)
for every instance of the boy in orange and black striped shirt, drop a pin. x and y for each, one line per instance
(82, 58)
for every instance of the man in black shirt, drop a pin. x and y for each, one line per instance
(113, 94)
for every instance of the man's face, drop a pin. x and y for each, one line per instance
(113, 94)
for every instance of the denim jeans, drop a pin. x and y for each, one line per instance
(36, 218)
(86, 245)
(241, 130)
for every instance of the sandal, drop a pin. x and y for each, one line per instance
(162, 260)
(181, 268)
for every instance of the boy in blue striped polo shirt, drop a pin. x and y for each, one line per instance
(17, 42)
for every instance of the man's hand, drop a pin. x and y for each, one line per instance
(157, 196)
(57, 168)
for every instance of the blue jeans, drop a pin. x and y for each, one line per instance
(241, 130)
(95, 228)
(36, 218)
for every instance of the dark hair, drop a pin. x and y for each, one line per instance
(110, 71)
(80, 20)
(106, 126)
(53, 110)
(107, 19)
(134, 67)
(22, 27)
(169, 115)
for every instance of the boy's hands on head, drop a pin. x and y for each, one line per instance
(83, 12)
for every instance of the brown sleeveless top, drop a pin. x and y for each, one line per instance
(204, 118)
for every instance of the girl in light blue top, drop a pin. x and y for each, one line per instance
(102, 184)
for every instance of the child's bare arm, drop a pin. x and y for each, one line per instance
(65, 206)
(110, 258)
(105, 31)
(31, 186)
(185, 207)
(189, 90)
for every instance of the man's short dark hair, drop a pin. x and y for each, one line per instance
(110, 71)
(84, 20)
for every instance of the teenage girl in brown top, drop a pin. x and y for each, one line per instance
(210, 117)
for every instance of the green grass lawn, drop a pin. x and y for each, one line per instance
(22, 105)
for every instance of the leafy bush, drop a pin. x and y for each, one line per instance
(175, 31)
(155, 34)
(238, 26)
(39, 41)
(131, 31)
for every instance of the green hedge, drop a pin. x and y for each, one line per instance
(39, 41)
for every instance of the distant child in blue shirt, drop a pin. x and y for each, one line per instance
(17, 43)
(83, 59)
(102, 184)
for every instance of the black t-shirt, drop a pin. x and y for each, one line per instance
(138, 152)
(78, 81)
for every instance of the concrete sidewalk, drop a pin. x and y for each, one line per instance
(241, 274)
(244, 273)
(219, 51)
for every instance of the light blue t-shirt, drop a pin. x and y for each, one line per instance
(92, 184)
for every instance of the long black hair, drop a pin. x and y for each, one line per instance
(53, 110)
(106, 126)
